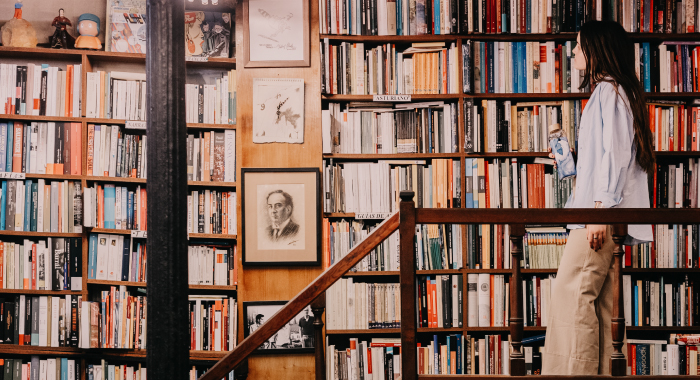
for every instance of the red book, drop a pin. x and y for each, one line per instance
(498, 16)
(523, 14)
(633, 357)
(628, 256)
(142, 210)
(486, 185)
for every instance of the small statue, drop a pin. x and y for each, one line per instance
(18, 32)
(89, 28)
(60, 37)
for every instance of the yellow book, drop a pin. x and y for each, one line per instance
(486, 246)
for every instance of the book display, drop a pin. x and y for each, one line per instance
(485, 146)
(73, 201)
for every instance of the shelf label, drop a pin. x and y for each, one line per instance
(139, 234)
(391, 98)
(133, 124)
(11, 175)
(370, 215)
(196, 59)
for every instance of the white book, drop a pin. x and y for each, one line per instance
(22, 312)
(34, 147)
(672, 359)
(71, 369)
(114, 139)
(118, 207)
(484, 300)
(84, 325)
(54, 321)
(669, 306)
(106, 149)
(230, 156)
(627, 294)
(51, 368)
(102, 257)
(113, 255)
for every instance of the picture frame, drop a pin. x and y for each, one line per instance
(276, 33)
(297, 336)
(281, 216)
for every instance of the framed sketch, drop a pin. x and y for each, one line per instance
(281, 211)
(278, 110)
(297, 336)
(276, 33)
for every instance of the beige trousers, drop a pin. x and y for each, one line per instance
(579, 338)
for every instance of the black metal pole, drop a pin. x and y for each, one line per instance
(167, 333)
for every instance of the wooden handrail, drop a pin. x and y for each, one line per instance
(304, 298)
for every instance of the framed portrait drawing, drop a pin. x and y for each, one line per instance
(276, 33)
(281, 212)
(297, 336)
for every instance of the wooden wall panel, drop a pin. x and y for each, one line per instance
(277, 283)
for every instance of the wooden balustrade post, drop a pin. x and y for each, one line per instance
(517, 358)
(241, 372)
(318, 306)
(618, 364)
(407, 231)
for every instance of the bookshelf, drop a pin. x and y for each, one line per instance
(91, 288)
(339, 338)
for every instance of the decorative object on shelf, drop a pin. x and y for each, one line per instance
(18, 32)
(297, 336)
(207, 34)
(125, 29)
(277, 33)
(61, 38)
(282, 216)
(89, 29)
(278, 110)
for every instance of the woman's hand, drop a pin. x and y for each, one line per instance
(596, 234)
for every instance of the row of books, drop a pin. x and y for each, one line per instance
(112, 152)
(672, 67)
(440, 301)
(212, 103)
(41, 89)
(212, 212)
(361, 305)
(115, 207)
(43, 148)
(488, 246)
(468, 355)
(674, 126)
(656, 16)
(41, 206)
(342, 235)
(211, 265)
(119, 319)
(213, 323)
(378, 359)
(45, 321)
(510, 183)
(501, 126)
(543, 247)
(116, 95)
(677, 356)
(429, 127)
(373, 188)
(520, 67)
(661, 302)
(487, 300)
(36, 368)
(106, 371)
(211, 156)
(424, 68)
(51, 264)
(674, 246)
(116, 258)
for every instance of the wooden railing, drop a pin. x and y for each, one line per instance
(405, 221)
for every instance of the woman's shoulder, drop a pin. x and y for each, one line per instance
(609, 91)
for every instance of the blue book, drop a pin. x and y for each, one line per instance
(468, 183)
(399, 18)
(459, 354)
(436, 17)
(647, 64)
(3, 205)
(130, 210)
(643, 359)
(522, 58)
(35, 205)
(3, 146)
(92, 257)
(10, 136)
(64, 368)
(126, 253)
(436, 354)
(109, 202)
(449, 346)
(528, 16)
(27, 205)
(636, 306)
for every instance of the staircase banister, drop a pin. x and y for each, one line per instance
(558, 216)
(304, 298)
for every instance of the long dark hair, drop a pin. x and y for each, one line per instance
(610, 53)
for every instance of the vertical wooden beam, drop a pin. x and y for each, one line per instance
(168, 336)
(618, 364)
(517, 358)
(407, 231)
(318, 306)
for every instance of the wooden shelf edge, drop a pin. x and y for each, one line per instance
(92, 178)
(363, 331)
(40, 292)
(212, 184)
(40, 234)
(212, 236)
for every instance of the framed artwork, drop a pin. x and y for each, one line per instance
(276, 33)
(297, 336)
(281, 212)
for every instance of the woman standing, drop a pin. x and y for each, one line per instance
(614, 156)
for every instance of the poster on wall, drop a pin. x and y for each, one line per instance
(278, 33)
(278, 110)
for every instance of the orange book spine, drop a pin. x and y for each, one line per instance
(142, 209)
(491, 298)
(530, 185)
(17, 145)
(2, 264)
(90, 148)
(76, 139)
(444, 72)
(68, 111)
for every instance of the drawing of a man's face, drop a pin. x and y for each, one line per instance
(218, 29)
(279, 206)
(226, 17)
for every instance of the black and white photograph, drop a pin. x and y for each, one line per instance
(296, 336)
(281, 215)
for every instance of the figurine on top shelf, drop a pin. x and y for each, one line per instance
(61, 38)
(89, 28)
(18, 32)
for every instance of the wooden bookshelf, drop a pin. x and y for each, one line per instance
(212, 236)
(360, 331)
(40, 234)
(34, 292)
(143, 285)
(212, 184)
